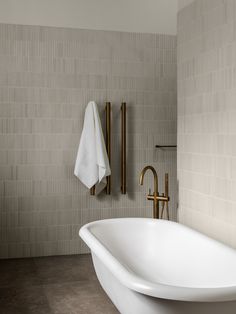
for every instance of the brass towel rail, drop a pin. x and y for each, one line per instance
(108, 146)
(123, 148)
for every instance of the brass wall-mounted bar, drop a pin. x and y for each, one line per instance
(123, 148)
(166, 146)
(108, 146)
(108, 142)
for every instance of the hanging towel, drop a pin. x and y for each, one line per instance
(92, 164)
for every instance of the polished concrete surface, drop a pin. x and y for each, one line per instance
(52, 285)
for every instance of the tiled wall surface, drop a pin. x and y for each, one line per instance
(183, 3)
(47, 76)
(207, 117)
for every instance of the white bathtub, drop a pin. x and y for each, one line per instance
(149, 266)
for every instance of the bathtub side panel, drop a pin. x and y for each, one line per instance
(128, 301)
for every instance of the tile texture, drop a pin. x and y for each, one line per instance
(207, 118)
(61, 285)
(47, 76)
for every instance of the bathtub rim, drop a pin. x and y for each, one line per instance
(138, 284)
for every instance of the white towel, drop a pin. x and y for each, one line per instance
(92, 164)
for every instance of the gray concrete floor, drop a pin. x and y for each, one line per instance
(52, 285)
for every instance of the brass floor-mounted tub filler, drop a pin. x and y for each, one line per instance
(155, 196)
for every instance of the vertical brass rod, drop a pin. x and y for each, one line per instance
(166, 185)
(155, 206)
(167, 194)
(163, 206)
(92, 190)
(167, 211)
(108, 142)
(123, 148)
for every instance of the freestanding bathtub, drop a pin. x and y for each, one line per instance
(149, 266)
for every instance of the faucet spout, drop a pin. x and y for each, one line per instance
(155, 197)
(141, 178)
(155, 193)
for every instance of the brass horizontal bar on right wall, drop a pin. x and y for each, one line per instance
(160, 146)
(123, 148)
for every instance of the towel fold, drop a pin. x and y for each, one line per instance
(92, 164)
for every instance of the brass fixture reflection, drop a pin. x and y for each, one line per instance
(155, 196)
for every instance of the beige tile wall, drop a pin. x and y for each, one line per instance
(47, 76)
(207, 117)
